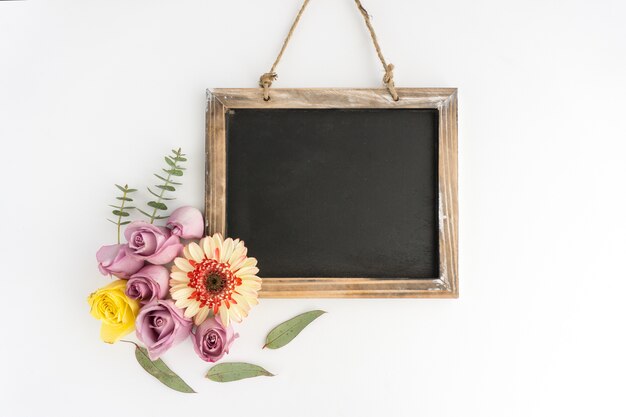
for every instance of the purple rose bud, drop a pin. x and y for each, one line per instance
(114, 260)
(186, 222)
(148, 284)
(161, 325)
(212, 340)
(151, 243)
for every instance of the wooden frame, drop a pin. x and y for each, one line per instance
(219, 101)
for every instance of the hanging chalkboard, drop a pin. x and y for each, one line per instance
(338, 192)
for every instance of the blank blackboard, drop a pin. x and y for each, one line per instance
(335, 192)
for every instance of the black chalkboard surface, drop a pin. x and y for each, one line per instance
(335, 192)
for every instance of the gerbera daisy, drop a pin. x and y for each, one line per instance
(215, 276)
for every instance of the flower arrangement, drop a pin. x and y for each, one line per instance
(173, 283)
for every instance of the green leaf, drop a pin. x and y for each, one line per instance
(167, 181)
(144, 213)
(234, 371)
(166, 187)
(180, 159)
(160, 217)
(157, 205)
(124, 198)
(287, 331)
(159, 196)
(124, 223)
(174, 172)
(122, 189)
(115, 223)
(131, 190)
(120, 213)
(161, 371)
(169, 161)
(153, 193)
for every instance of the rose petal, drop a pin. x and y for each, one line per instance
(186, 222)
(171, 249)
(171, 329)
(115, 260)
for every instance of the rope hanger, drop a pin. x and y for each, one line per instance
(266, 79)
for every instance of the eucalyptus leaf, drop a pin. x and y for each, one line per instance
(125, 223)
(124, 198)
(144, 213)
(169, 161)
(167, 181)
(153, 193)
(161, 371)
(166, 187)
(287, 331)
(120, 213)
(122, 189)
(174, 172)
(160, 196)
(234, 371)
(157, 205)
(131, 190)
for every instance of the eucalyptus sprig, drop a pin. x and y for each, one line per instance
(173, 169)
(121, 211)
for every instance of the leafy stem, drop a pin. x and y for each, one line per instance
(159, 199)
(121, 211)
(173, 169)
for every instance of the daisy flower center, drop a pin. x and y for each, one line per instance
(213, 283)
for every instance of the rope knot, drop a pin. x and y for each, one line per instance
(266, 82)
(388, 81)
(267, 79)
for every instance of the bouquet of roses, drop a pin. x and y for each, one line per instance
(174, 283)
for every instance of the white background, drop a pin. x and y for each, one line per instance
(94, 93)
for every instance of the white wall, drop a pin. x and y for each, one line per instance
(93, 93)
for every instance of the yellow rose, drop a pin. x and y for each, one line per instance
(115, 310)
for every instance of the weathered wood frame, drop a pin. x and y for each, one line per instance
(220, 101)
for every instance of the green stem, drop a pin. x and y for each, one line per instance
(119, 218)
(167, 181)
(159, 199)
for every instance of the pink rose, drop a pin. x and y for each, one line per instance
(212, 340)
(148, 284)
(161, 325)
(186, 222)
(115, 260)
(151, 243)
